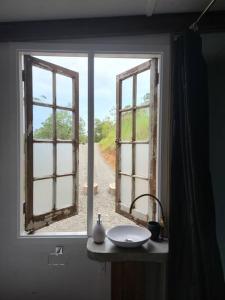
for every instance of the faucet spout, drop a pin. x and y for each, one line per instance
(151, 197)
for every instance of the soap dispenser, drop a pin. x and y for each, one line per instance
(98, 231)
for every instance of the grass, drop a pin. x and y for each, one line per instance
(108, 145)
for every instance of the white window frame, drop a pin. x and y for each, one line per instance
(157, 45)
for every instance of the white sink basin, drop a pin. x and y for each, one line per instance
(128, 236)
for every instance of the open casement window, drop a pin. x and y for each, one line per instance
(136, 149)
(51, 155)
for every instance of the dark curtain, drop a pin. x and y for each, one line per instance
(194, 269)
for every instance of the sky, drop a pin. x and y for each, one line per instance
(105, 73)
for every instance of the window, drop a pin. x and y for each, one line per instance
(136, 139)
(51, 179)
(55, 138)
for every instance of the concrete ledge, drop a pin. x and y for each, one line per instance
(150, 251)
(95, 189)
(112, 188)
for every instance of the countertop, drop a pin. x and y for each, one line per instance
(150, 251)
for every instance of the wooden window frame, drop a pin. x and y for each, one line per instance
(34, 222)
(152, 142)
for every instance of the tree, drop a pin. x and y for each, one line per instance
(102, 128)
(63, 126)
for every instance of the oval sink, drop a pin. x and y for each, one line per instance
(128, 236)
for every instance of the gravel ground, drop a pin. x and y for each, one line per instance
(104, 202)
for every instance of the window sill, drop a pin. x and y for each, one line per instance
(83, 234)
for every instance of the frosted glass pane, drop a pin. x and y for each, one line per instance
(42, 122)
(64, 192)
(42, 159)
(127, 93)
(125, 190)
(142, 160)
(64, 158)
(126, 158)
(42, 85)
(126, 126)
(143, 88)
(42, 202)
(64, 90)
(142, 187)
(64, 121)
(142, 124)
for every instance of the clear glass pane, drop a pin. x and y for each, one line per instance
(126, 126)
(142, 124)
(125, 190)
(64, 124)
(143, 88)
(42, 85)
(142, 187)
(42, 202)
(42, 159)
(64, 192)
(126, 158)
(127, 93)
(42, 122)
(64, 158)
(142, 160)
(64, 91)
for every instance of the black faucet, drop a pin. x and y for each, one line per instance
(154, 227)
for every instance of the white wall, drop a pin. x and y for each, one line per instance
(24, 269)
(25, 273)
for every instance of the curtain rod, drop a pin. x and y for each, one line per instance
(194, 25)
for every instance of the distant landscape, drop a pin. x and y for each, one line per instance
(104, 130)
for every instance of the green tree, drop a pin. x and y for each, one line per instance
(63, 126)
(82, 131)
(102, 128)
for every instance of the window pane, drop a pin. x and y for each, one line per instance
(64, 90)
(64, 158)
(126, 158)
(42, 202)
(142, 124)
(42, 85)
(64, 124)
(64, 192)
(142, 187)
(127, 93)
(142, 160)
(125, 190)
(143, 88)
(42, 122)
(126, 126)
(43, 159)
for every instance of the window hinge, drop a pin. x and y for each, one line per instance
(24, 208)
(23, 75)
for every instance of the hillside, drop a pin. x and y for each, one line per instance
(107, 144)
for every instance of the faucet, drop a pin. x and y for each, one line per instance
(160, 205)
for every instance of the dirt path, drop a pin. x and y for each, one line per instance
(104, 202)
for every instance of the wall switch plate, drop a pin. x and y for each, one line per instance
(57, 258)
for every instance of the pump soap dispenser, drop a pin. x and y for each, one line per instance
(98, 231)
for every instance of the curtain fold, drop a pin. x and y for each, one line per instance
(195, 270)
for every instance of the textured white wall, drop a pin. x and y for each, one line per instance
(25, 273)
